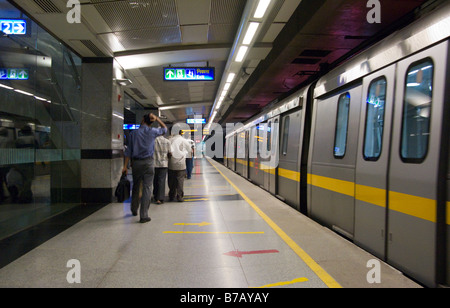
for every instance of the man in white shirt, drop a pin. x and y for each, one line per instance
(161, 156)
(177, 165)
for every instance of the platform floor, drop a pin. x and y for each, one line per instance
(227, 234)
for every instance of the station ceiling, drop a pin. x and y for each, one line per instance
(295, 40)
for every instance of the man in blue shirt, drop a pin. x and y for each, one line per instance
(141, 144)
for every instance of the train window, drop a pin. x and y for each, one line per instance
(340, 140)
(417, 111)
(269, 136)
(373, 138)
(287, 121)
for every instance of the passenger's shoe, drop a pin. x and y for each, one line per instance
(144, 220)
(134, 213)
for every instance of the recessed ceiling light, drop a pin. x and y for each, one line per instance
(241, 53)
(251, 31)
(262, 8)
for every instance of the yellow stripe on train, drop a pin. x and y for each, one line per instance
(419, 207)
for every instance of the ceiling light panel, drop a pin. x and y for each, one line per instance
(250, 34)
(261, 9)
(241, 53)
(231, 77)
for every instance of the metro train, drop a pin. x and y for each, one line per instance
(11, 126)
(364, 149)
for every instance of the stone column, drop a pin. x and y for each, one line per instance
(101, 130)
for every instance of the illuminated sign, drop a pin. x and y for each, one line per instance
(131, 126)
(14, 74)
(13, 26)
(189, 74)
(196, 121)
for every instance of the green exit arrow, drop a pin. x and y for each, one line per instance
(170, 74)
(23, 74)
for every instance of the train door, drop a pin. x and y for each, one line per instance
(275, 150)
(415, 156)
(227, 152)
(254, 172)
(289, 166)
(334, 160)
(447, 214)
(271, 153)
(240, 153)
(372, 161)
(246, 153)
(225, 158)
(230, 153)
(266, 129)
(233, 151)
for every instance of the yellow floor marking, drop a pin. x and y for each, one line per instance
(283, 283)
(201, 224)
(200, 199)
(316, 268)
(191, 232)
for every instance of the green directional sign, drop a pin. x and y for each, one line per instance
(189, 74)
(170, 74)
(14, 74)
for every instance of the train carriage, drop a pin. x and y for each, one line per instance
(364, 150)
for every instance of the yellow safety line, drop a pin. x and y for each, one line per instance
(283, 283)
(316, 268)
(192, 232)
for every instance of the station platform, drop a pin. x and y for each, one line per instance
(228, 233)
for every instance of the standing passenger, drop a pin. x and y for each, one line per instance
(190, 160)
(140, 150)
(177, 165)
(162, 152)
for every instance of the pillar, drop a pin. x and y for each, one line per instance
(101, 131)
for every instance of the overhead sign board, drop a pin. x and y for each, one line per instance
(14, 74)
(196, 121)
(131, 126)
(189, 73)
(13, 26)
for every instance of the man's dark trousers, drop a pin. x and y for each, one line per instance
(143, 172)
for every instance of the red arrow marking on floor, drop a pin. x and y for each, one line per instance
(239, 254)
